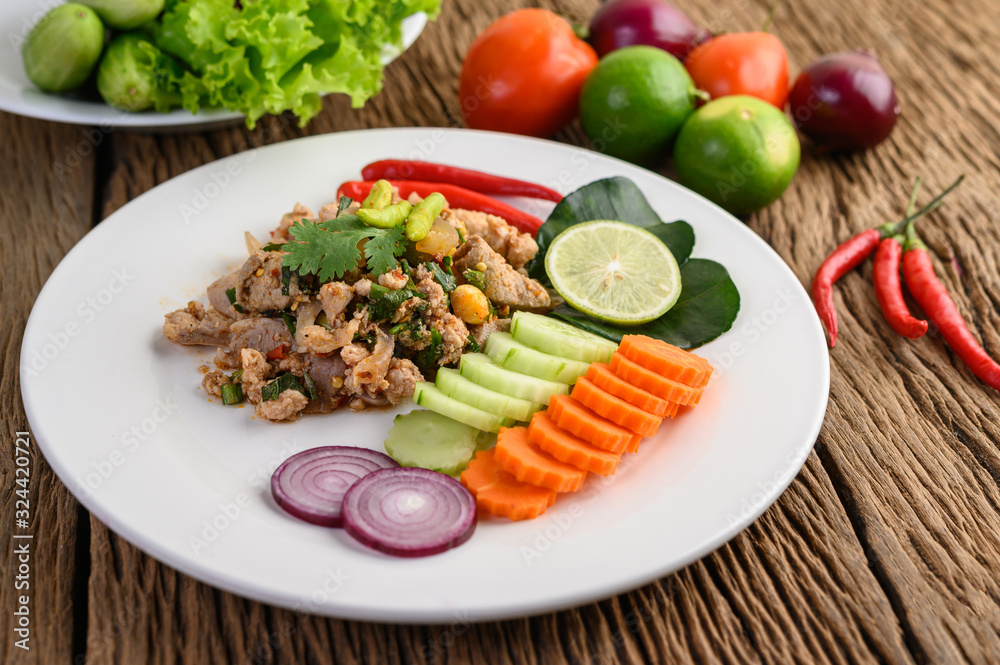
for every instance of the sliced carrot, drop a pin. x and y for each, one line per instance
(499, 493)
(602, 377)
(530, 464)
(667, 360)
(650, 381)
(582, 422)
(615, 409)
(633, 445)
(544, 433)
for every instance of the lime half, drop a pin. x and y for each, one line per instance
(614, 271)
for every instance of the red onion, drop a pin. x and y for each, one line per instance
(311, 484)
(621, 23)
(844, 101)
(409, 512)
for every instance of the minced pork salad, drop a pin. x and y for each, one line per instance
(357, 303)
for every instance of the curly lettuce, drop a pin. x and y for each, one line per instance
(272, 56)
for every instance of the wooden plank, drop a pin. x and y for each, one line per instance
(724, 608)
(882, 550)
(46, 176)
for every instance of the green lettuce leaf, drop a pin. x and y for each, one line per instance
(273, 56)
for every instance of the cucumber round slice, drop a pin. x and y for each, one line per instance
(428, 396)
(543, 333)
(456, 386)
(478, 368)
(510, 354)
(431, 441)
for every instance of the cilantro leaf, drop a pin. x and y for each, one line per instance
(330, 249)
(383, 248)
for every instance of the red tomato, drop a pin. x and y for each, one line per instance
(741, 63)
(524, 73)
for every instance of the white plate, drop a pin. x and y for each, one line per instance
(19, 95)
(119, 413)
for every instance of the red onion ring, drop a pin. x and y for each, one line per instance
(311, 484)
(409, 512)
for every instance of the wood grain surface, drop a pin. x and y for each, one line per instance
(886, 547)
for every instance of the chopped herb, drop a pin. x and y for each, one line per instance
(286, 279)
(400, 327)
(343, 204)
(286, 381)
(404, 265)
(274, 247)
(232, 393)
(290, 322)
(427, 358)
(446, 281)
(237, 376)
(321, 320)
(386, 304)
(377, 291)
(446, 262)
(330, 249)
(476, 278)
(473, 345)
(368, 338)
(461, 236)
(231, 294)
(310, 385)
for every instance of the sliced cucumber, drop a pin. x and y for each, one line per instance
(432, 441)
(510, 354)
(543, 333)
(456, 386)
(428, 396)
(478, 368)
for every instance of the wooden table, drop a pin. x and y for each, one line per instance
(886, 547)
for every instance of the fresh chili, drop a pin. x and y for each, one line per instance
(843, 259)
(889, 290)
(477, 181)
(850, 254)
(933, 298)
(458, 197)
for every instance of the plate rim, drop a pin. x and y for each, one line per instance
(176, 120)
(256, 593)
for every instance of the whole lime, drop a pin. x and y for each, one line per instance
(63, 48)
(738, 151)
(634, 102)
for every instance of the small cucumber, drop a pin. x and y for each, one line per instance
(431, 441)
(558, 338)
(478, 368)
(428, 396)
(510, 354)
(456, 386)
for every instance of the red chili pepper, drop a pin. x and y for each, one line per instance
(458, 197)
(277, 353)
(855, 250)
(843, 259)
(477, 181)
(933, 297)
(889, 290)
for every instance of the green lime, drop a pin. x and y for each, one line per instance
(634, 102)
(614, 271)
(63, 48)
(738, 151)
